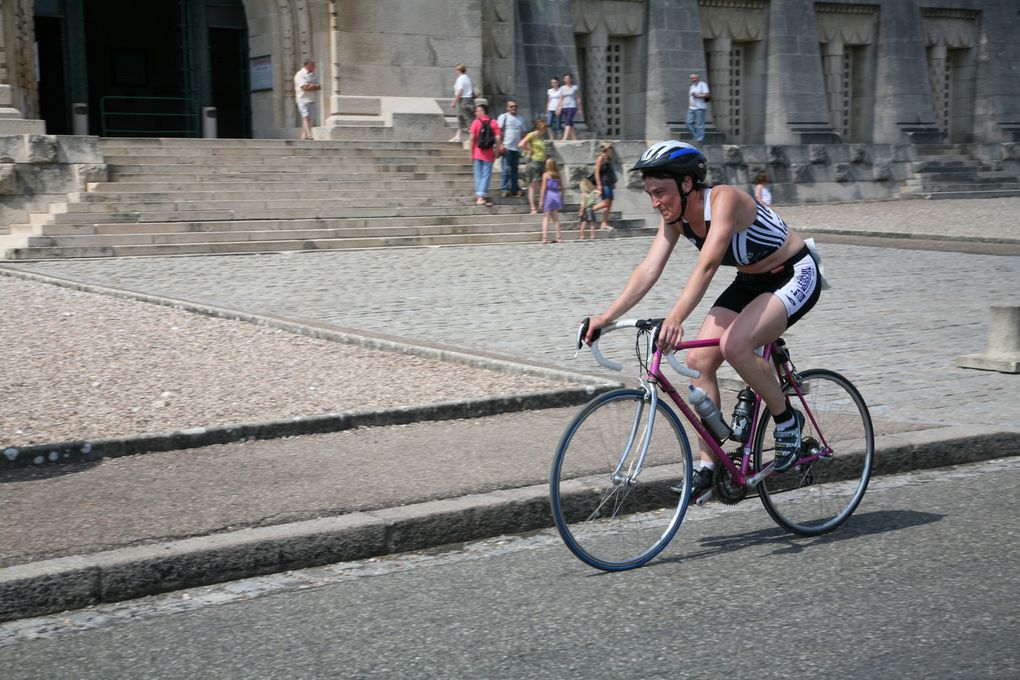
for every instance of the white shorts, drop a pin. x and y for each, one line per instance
(307, 109)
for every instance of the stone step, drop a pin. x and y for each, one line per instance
(182, 197)
(953, 182)
(306, 192)
(361, 183)
(307, 178)
(302, 151)
(934, 195)
(281, 145)
(242, 247)
(386, 208)
(943, 166)
(112, 228)
(996, 175)
(304, 162)
(284, 168)
(289, 234)
(333, 205)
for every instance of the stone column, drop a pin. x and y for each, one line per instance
(937, 75)
(16, 56)
(675, 50)
(903, 105)
(335, 106)
(593, 92)
(998, 88)
(718, 79)
(796, 110)
(832, 65)
(547, 46)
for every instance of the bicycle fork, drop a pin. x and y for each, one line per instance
(628, 469)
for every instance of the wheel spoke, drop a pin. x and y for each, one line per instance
(820, 495)
(607, 523)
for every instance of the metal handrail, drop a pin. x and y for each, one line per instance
(189, 113)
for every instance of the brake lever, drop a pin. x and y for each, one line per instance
(582, 331)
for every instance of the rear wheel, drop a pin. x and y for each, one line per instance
(819, 495)
(609, 514)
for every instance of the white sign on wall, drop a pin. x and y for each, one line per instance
(262, 73)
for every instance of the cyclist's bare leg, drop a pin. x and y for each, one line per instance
(707, 361)
(761, 322)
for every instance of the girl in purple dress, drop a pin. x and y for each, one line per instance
(552, 200)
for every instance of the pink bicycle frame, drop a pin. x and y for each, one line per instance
(740, 476)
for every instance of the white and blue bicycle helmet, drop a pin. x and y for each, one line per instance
(677, 160)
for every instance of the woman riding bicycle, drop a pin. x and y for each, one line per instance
(777, 283)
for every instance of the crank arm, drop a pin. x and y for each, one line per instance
(703, 498)
(755, 480)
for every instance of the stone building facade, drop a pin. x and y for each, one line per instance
(781, 71)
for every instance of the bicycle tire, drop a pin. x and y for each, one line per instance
(818, 497)
(618, 526)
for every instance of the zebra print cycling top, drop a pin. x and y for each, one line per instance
(761, 238)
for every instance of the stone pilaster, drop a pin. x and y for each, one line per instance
(498, 52)
(718, 78)
(937, 75)
(675, 50)
(903, 105)
(796, 110)
(997, 102)
(595, 93)
(832, 68)
(16, 58)
(548, 47)
(334, 58)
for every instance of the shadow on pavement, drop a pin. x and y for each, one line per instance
(33, 474)
(862, 524)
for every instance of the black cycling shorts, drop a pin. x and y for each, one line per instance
(795, 282)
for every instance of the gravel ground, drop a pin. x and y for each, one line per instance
(85, 366)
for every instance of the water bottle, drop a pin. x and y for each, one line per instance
(742, 415)
(710, 415)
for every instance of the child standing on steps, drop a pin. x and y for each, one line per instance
(589, 197)
(551, 200)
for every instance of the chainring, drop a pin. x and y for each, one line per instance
(722, 482)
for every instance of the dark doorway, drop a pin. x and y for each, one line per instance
(144, 68)
(136, 84)
(54, 107)
(228, 57)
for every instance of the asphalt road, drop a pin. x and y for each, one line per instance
(921, 583)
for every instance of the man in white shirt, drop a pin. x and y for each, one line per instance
(306, 84)
(464, 97)
(696, 108)
(512, 127)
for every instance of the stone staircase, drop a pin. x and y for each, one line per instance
(209, 196)
(949, 172)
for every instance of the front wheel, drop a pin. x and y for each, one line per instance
(837, 450)
(613, 509)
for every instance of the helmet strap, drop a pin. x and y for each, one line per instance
(683, 196)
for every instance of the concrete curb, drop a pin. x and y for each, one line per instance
(92, 450)
(79, 581)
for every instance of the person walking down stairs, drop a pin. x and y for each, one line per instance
(485, 139)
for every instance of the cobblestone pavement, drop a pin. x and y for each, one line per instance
(893, 321)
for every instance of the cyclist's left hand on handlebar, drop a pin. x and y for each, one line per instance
(671, 332)
(591, 329)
